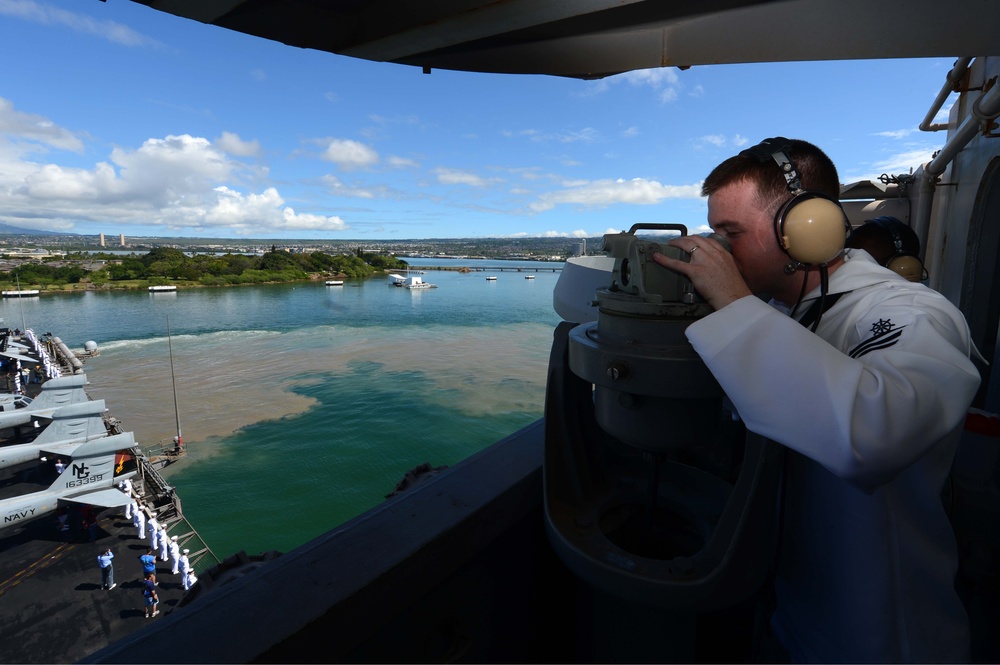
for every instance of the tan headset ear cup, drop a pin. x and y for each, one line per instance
(908, 266)
(813, 230)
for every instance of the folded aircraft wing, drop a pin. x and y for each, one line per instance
(100, 446)
(18, 356)
(110, 497)
(68, 381)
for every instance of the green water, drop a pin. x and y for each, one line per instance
(303, 405)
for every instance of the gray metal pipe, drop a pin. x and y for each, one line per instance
(954, 76)
(984, 109)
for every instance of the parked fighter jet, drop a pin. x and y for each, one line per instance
(69, 425)
(54, 393)
(94, 468)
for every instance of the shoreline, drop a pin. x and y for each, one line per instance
(142, 285)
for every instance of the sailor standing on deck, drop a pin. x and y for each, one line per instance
(185, 570)
(175, 554)
(126, 487)
(140, 523)
(154, 532)
(164, 542)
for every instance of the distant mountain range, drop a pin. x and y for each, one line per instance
(8, 230)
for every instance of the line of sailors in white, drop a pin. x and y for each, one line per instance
(158, 539)
(51, 370)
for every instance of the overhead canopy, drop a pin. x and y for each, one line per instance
(595, 38)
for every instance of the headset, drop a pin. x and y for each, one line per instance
(904, 261)
(811, 227)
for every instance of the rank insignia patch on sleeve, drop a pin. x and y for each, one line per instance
(884, 334)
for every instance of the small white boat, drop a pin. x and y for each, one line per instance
(529, 276)
(162, 288)
(20, 293)
(491, 278)
(334, 282)
(396, 280)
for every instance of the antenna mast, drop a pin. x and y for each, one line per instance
(173, 383)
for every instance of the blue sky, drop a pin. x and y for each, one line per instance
(116, 118)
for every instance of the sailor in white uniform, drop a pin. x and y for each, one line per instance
(869, 397)
(140, 522)
(175, 554)
(126, 487)
(164, 542)
(185, 570)
(154, 532)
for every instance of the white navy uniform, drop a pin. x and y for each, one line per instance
(185, 572)
(164, 543)
(154, 533)
(175, 555)
(874, 401)
(140, 523)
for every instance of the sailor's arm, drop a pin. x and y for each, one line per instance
(863, 418)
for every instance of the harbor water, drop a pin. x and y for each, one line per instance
(302, 405)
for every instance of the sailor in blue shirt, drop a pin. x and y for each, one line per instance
(107, 569)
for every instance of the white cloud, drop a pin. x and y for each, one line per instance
(27, 126)
(584, 135)
(895, 134)
(662, 79)
(601, 193)
(578, 233)
(402, 162)
(338, 188)
(172, 167)
(900, 163)
(657, 78)
(234, 145)
(457, 177)
(349, 155)
(721, 140)
(29, 10)
(177, 182)
(247, 214)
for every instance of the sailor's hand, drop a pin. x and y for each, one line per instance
(711, 269)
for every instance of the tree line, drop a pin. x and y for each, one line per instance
(165, 264)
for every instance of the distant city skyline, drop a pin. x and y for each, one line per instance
(117, 116)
